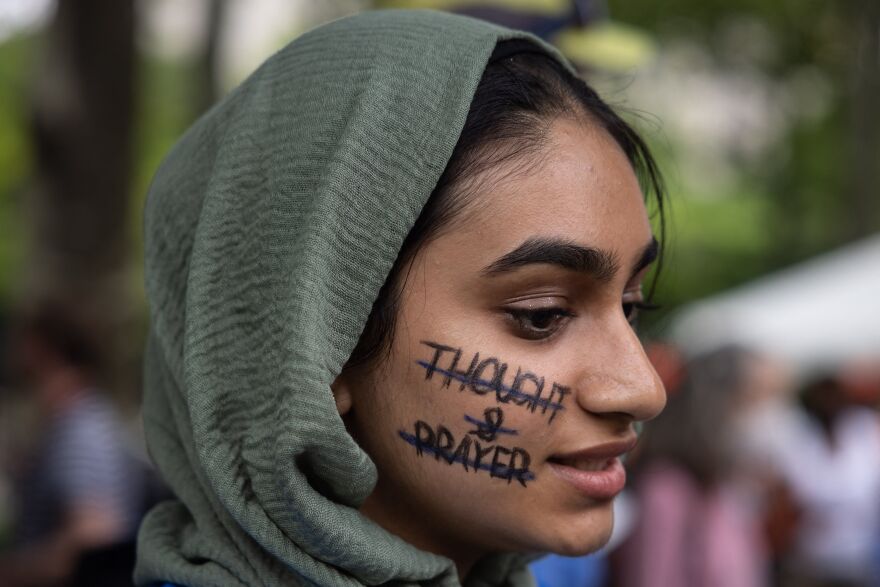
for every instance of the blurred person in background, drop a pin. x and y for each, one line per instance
(766, 427)
(694, 526)
(833, 472)
(78, 494)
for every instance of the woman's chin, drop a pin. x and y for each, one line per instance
(581, 539)
(582, 548)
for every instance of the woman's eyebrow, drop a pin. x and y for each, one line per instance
(601, 264)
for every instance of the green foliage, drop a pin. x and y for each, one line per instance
(797, 200)
(163, 112)
(16, 159)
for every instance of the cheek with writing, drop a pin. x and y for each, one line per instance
(479, 449)
(475, 451)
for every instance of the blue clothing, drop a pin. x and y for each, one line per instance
(562, 571)
(559, 571)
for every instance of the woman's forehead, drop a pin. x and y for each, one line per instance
(581, 189)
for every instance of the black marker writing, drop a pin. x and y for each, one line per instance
(491, 427)
(504, 463)
(487, 375)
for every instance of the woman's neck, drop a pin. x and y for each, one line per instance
(405, 523)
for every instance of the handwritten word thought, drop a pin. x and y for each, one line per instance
(487, 375)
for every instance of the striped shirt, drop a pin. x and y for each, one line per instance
(84, 457)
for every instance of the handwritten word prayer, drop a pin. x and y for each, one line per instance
(510, 464)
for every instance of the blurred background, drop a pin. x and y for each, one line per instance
(765, 468)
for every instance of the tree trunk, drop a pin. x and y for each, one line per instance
(864, 212)
(82, 111)
(207, 86)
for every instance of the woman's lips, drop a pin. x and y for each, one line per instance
(600, 480)
(595, 472)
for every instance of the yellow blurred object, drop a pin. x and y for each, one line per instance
(538, 7)
(606, 45)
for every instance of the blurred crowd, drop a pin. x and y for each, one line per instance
(74, 480)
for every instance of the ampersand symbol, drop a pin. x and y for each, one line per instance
(488, 430)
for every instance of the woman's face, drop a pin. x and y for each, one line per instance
(515, 376)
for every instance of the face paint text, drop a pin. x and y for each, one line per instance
(487, 375)
(500, 462)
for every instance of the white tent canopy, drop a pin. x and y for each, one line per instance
(820, 313)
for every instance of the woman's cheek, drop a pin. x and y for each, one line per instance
(479, 400)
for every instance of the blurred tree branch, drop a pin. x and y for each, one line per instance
(207, 68)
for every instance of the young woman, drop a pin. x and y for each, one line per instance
(392, 278)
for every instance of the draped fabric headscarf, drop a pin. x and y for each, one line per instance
(270, 228)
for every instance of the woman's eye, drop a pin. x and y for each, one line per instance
(539, 323)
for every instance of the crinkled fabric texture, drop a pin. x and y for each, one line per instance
(270, 228)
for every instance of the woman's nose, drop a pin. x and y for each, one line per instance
(619, 378)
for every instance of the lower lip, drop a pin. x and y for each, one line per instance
(602, 485)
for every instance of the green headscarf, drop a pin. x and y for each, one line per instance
(270, 229)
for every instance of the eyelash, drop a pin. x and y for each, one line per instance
(525, 319)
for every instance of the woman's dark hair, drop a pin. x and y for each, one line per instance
(521, 92)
